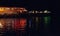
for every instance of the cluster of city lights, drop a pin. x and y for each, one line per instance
(12, 10)
(3, 9)
(45, 11)
(15, 10)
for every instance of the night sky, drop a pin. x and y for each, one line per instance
(31, 4)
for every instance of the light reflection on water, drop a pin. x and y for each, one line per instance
(23, 26)
(13, 27)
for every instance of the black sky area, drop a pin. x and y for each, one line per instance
(31, 4)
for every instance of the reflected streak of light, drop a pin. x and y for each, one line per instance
(1, 26)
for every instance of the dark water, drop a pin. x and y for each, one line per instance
(14, 27)
(31, 26)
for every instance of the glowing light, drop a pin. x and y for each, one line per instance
(45, 11)
(32, 11)
(12, 9)
(37, 19)
(41, 12)
(36, 11)
(22, 10)
(1, 26)
(1, 9)
(7, 8)
(22, 23)
(47, 19)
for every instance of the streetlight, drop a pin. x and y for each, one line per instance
(46, 11)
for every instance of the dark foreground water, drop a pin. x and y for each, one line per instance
(18, 33)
